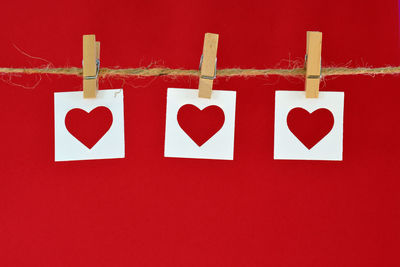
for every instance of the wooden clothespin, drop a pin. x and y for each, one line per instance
(208, 65)
(313, 64)
(90, 66)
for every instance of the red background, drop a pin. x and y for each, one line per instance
(147, 210)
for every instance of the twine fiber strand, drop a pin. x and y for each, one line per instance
(221, 73)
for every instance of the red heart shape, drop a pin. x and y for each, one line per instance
(200, 125)
(310, 128)
(90, 127)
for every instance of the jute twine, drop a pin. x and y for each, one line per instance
(221, 72)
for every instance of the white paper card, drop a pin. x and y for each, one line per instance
(288, 146)
(178, 144)
(111, 144)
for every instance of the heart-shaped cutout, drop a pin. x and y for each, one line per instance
(90, 127)
(310, 128)
(200, 125)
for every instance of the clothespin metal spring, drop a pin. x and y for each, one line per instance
(205, 76)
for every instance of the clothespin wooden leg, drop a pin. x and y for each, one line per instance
(313, 64)
(208, 65)
(90, 65)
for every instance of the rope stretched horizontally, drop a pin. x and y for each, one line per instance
(221, 72)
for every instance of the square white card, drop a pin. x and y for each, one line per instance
(218, 141)
(322, 116)
(105, 114)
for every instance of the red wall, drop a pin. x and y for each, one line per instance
(147, 210)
